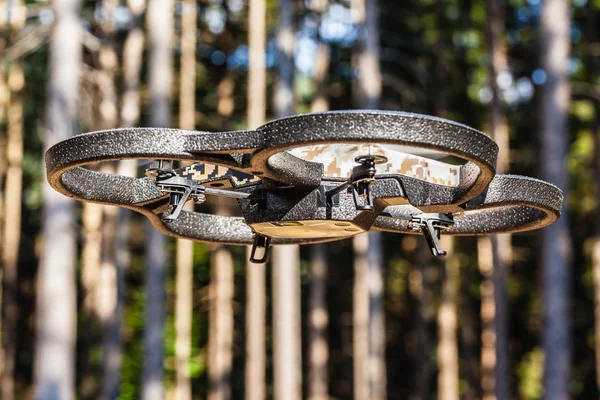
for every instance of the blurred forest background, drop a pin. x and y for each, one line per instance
(97, 305)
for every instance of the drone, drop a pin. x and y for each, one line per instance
(310, 178)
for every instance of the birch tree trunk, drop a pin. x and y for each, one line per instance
(256, 273)
(498, 253)
(185, 248)
(367, 93)
(12, 226)
(54, 373)
(556, 246)
(287, 358)
(160, 33)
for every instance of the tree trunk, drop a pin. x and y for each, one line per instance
(592, 67)
(421, 287)
(160, 32)
(318, 316)
(556, 246)
(447, 321)
(494, 309)
(255, 273)
(130, 111)
(488, 316)
(12, 226)
(367, 93)
(220, 339)
(286, 320)
(361, 317)
(56, 294)
(287, 359)
(320, 101)
(185, 248)
(108, 283)
(447, 349)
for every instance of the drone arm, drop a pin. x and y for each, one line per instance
(227, 193)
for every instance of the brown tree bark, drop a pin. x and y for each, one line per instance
(160, 34)
(447, 322)
(54, 373)
(494, 380)
(12, 227)
(556, 246)
(256, 273)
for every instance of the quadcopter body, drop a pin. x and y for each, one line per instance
(311, 178)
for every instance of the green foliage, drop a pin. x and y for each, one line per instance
(530, 372)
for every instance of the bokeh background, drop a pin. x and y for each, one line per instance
(96, 304)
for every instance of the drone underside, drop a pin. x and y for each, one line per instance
(311, 178)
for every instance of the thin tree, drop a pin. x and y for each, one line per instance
(13, 188)
(556, 246)
(447, 321)
(495, 252)
(160, 33)
(185, 248)
(106, 293)
(56, 294)
(130, 110)
(318, 316)
(220, 340)
(12, 226)
(287, 358)
(256, 273)
(592, 67)
(368, 263)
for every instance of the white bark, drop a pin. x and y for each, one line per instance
(54, 373)
(256, 273)
(160, 33)
(12, 226)
(367, 93)
(286, 323)
(556, 247)
(185, 248)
